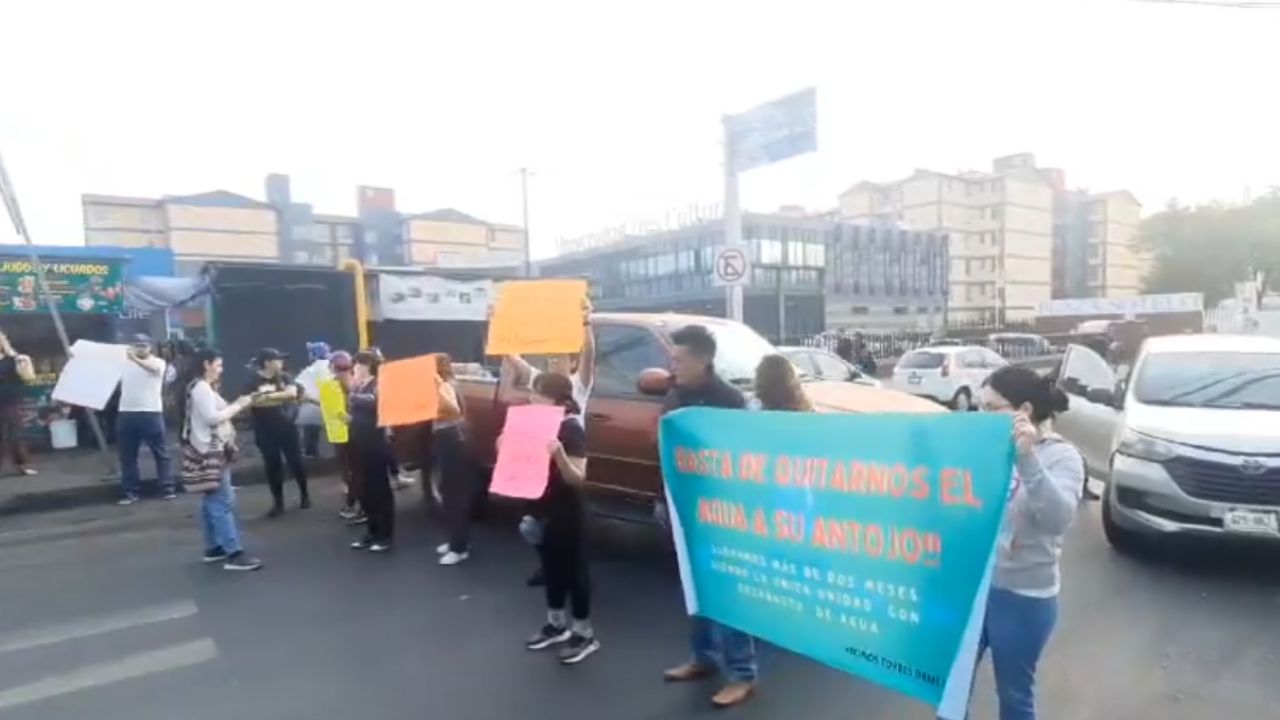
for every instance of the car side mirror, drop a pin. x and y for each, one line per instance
(654, 381)
(1102, 396)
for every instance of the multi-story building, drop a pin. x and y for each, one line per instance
(808, 273)
(225, 226)
(999, 224)
(1095, 250)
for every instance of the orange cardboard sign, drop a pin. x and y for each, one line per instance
(537, 317)
(407, 391)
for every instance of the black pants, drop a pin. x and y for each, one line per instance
(311, 440)
(457, 486)
(278, 444)
(376, 498)
(564, 566)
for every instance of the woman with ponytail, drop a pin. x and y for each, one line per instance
(562, 515)
(1022, 607)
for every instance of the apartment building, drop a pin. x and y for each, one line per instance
(1000, 225)
(226, 226)
(1095, 245)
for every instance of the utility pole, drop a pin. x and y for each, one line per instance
(733, 301)
(10, 196)
(524, 203)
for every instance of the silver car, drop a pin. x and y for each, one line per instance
(1189, 444)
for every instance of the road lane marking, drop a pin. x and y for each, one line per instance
(112, 671)
(88, 627)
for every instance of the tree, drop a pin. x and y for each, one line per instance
(1209, 249)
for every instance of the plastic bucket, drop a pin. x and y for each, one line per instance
(62, 434)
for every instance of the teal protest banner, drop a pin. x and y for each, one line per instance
(862, 541)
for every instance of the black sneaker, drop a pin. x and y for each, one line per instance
(241, 561)
(275, 511)
(578, 648)
(305, 503)
(536, 579)
(215, 554)
(546, 637)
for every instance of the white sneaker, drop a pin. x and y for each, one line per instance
(406, 479)
(453, 558)
(442, 549)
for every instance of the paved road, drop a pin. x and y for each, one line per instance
(104, 615)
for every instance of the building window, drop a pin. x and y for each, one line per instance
(769, 252)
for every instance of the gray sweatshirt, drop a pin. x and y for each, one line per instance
(1047, 485)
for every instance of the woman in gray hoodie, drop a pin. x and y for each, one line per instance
(1022, 606)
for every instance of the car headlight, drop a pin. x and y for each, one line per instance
(1145, 447)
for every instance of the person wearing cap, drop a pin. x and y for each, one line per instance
(141, 420)
(275, 407)
(341, 367)
(309, 417)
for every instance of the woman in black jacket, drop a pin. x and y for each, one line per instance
(371, 453)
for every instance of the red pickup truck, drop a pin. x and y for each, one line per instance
(632, 354)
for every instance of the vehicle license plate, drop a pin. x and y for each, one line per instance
(1251, 522)
(913, 379)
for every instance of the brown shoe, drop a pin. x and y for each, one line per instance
(688, 672)
(735, 693)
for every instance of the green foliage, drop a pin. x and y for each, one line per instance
(1210, 248)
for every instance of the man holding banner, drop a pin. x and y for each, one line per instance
(714, 645)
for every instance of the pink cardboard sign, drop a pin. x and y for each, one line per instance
(523, 461)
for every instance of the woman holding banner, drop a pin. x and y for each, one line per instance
(449, 448)
(561, 512)
(1022, 606)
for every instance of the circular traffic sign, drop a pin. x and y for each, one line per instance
(731, 265)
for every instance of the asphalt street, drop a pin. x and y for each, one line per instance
(107, 613)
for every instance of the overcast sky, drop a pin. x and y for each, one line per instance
(616, 105)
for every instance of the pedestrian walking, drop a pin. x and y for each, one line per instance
(208, 439)
(1022, 605)
(562, 517)
(715, 647)
(370, 450)
(581, 371)
(275, 409)
(15, 372)
(310, 421)
(140, 420)
(449, 449)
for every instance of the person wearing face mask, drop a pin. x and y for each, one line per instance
(561, 512)
(275, 408)
(1022, 605)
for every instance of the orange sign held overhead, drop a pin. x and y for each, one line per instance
(537, 317)
(408, 391)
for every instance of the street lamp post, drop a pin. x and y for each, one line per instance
(524, 203)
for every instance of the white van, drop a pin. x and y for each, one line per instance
(1189, 445)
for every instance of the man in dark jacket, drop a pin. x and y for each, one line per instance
(698, 385)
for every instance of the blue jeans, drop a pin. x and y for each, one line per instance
(218, 515)
(132, 430)
(1016, 632)
(733, 651)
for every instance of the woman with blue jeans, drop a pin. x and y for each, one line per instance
(208, 427)
(1022, 607)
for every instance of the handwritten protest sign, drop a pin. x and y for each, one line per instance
(537, 317)
(863, 542)
(91, 374)
(333, 405)
(407, 391)
(523, 461)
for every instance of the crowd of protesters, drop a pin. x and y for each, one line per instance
(1021, 605)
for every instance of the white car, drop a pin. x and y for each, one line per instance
(819, 364)
(1190, 445)
(950, 374)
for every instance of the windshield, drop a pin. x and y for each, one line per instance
(739, 350)
(1210, 380)
(922, 361)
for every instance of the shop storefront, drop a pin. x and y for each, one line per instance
(89, 294)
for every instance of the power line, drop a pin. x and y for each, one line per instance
(1227, 4)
